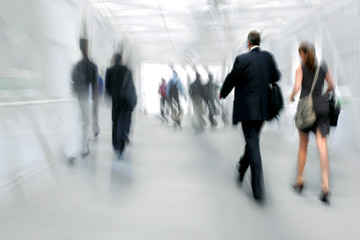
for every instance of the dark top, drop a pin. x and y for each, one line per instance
(209, 91)
(114, 83)
(321, 105)
(196, 89)
(251, 74)
(84, 74)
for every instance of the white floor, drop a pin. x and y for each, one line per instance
(172, 184)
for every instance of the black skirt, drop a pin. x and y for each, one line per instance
(322, 110)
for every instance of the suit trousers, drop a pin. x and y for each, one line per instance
(252, 157)
(120, 128)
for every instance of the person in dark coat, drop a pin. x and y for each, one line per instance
(209, 99)
(250, 76)
(119, 85)
(196, 92)
(84, 76)
(174, 87)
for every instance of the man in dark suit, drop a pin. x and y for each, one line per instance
(251, 74)
(119, 85)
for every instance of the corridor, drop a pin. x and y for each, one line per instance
(171, 184)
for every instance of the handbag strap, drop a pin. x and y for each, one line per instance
(315, 79)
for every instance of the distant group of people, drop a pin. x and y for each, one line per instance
(119, 85)
(203, 96)
(169, 93)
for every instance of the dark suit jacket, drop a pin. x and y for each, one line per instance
(114, 82)
(251, 74)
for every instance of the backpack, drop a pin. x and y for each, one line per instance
(128, 95)
(163, 91)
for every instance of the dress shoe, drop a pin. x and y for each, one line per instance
(259, 199)
(241, 173)
(71, 159)
(241, 176)
(97, 133)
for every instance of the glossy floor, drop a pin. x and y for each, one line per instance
(171, 184)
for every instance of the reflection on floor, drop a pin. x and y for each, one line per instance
(172, 184)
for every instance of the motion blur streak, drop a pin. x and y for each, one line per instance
(173, 182)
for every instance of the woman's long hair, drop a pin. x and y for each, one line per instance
(310, 57)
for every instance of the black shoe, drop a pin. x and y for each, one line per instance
(324, 197)
(259, 199)
(241, 174)
(71, 159)
(97, 133)
(298, 186)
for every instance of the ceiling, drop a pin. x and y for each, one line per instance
(199, 30)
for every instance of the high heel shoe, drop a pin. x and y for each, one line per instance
(298, 186)
(325, 196)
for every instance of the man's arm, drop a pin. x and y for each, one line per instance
(108, 82)
(230, 80)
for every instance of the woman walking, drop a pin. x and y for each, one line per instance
(304, 78)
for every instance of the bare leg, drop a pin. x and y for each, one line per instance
(304, 139)
(324, 161)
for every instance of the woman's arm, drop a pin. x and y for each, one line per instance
(330, 81)
(298, 81)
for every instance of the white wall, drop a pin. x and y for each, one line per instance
(40, 45)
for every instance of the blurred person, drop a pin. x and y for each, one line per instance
(119, 85)
(251, 74)
(209, 95)
(83, 76)
(173, 88)
(97, 96)
(163, 100)
(304, 78)
(195, 92)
